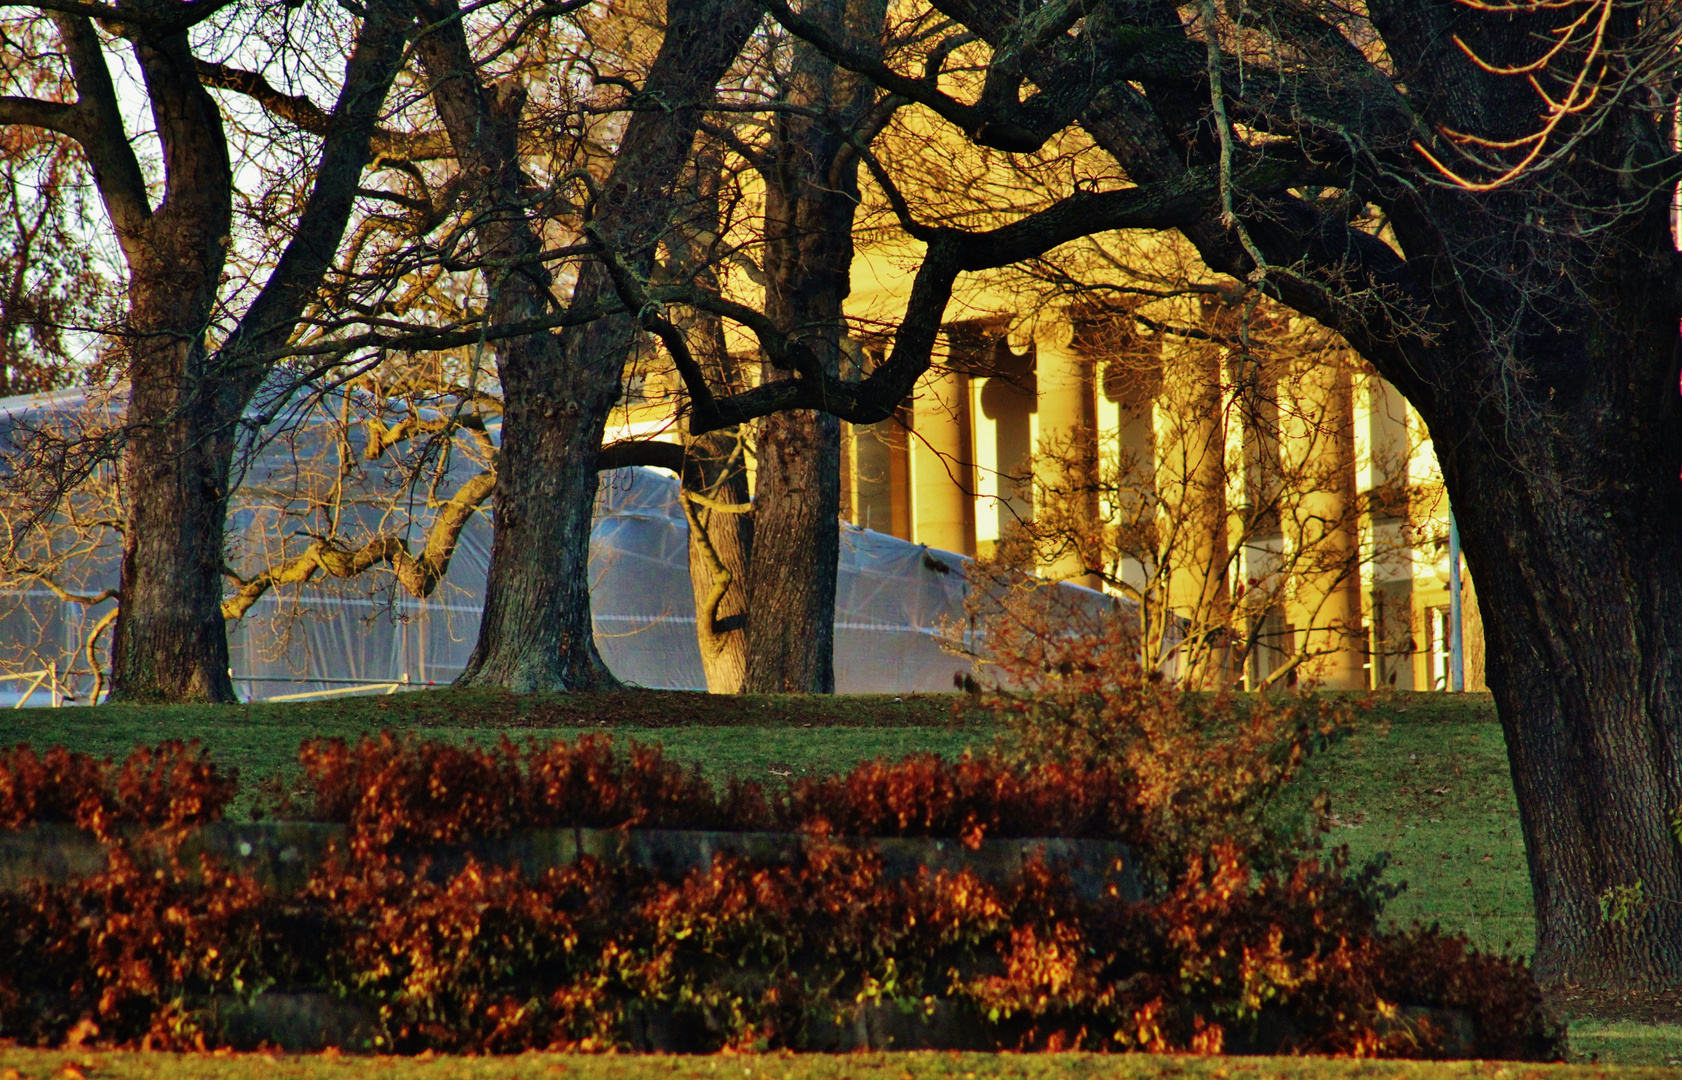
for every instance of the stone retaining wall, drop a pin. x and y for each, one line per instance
(281, 855)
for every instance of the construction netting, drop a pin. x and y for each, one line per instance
(900, 606)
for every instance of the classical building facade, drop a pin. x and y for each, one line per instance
(1266, 488)
(966, 461)
(1270, 506)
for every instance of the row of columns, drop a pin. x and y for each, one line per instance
(963, 451)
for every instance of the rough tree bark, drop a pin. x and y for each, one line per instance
(1562, 466)
(811, 196)
(713, 465)
(720, 554)
(536, 632)
(186, 400)
(1576, 546)
(169, 641)
(721, 529)
(1545, 362)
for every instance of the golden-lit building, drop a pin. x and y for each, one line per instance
(1254, 510)
(956, 469)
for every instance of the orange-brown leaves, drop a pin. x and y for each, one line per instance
(170, 787)
(125, 953)
(1200, 768)
(404, 793)
(738, 954)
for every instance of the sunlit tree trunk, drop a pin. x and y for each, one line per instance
(718, 470)
(810, 201)
(536, 632)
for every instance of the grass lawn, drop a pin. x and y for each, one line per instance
(765, 736)
(1438, 798)
(1425, 779)
(724, 734)
(75, 1065)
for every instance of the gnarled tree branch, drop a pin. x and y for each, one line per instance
(419, 576)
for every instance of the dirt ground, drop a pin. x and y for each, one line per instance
(676, 708)
(1639, 1006)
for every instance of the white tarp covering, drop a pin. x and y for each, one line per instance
(896, 601)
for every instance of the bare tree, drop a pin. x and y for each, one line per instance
(766, 619)
(1382, 170)
(521, 243)
(58, 579)
(559, 388)
(713, 466)
(188, 391)
(52, 284)
(810, 168)
(399, 456)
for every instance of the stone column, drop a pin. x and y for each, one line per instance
(1188, 427)
(1381, 458)
(942, 464)
(1319, 525)
(1065, 420)
(1002, 407)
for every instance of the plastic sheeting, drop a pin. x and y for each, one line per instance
(897, 603)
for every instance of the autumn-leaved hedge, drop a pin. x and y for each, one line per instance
(1247, 939)
(757, 957)
(735, 955)
(400, 792)
(174, 785)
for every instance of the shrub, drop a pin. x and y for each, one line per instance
(169, 787)
(1241, 947)
(397, 792)
(1296, 962)
(1204, 768)
(58, 787)
(127, 955)
(976, 797)
(400, 793)
(752, 956)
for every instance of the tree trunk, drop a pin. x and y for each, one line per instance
(558, 389)
(796, 551)
(717, 469)
(169, 643)
(714, 465)
(185, 403)
(1528, 312)
(810, 199)
(1534, 329)
(536, 632)
(1579, 582)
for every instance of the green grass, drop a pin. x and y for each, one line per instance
(495, 709)
(748, 734)
(1437, 797)
(76, 1065)
(1624, 1042)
